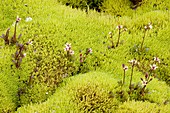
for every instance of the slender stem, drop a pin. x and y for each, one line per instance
(118, 39)
(113, 46)
(149, 75)
(111, 40)
(143, 90)
(124, 78)
(131, 77)
(143, 41)
(14, 40)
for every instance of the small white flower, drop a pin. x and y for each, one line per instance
(28, 19)
(66, 48)
(153, 67)
(124, 67)
(24, 54)
(68, 45)
(71, 52)
(18, 19)
(119, 27)
(150, 26)
(125, 29)
(156, 59)
(90, 50)
(133, 62)
(110, 33)
(144, 82)
(149, 23)
(30, 42)
(46, 93)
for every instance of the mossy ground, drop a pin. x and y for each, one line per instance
(51, 27)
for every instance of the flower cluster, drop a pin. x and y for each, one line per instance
(119, 27)
(68, 49)
(134, 62)
(149, 26)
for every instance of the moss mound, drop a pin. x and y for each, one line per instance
(7, 100)
(95, 92)
(142, 107)
(83, 93)
(46, 63)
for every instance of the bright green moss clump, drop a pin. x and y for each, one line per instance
(36, 85)
(7, 103)
(94, 92)
(82, 93)
(142, 107)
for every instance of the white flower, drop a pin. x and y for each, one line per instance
(119, 27)
(68, 45)
(110, 33)
(29, 42)
(67, 48)
(125, 29)
(28, 19)
(133, 62)
(71, 52)
(90, 50)
(150, 26)
(24, 54)
(18, 19)
(124, 67)
(145, 27)
(144, 82)
(153, 67)
(156, 59)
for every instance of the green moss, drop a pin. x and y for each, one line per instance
(84, 93)
(7, 99)
(142, 107)
(47, 62)
(117, 8)
(94, 92)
